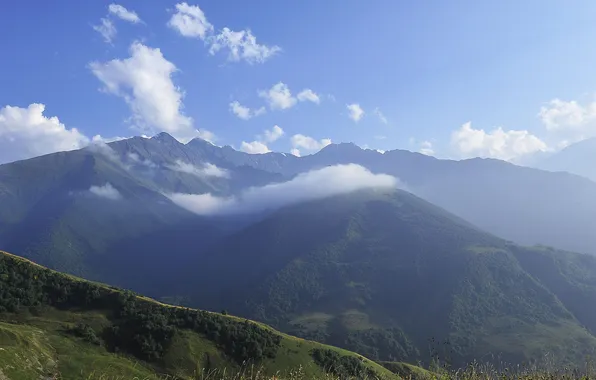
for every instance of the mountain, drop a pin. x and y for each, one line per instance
(47, 212)
(103, 212)
(576, 158)
(57, 326)
(385, 274)
(377, 272)
(526, 205)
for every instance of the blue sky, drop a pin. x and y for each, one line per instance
(427, 67)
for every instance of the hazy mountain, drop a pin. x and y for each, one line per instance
(526, 205)
(49, 212)
(578, 158)
(103, 212)
(383, 272)
(374, 271)
(57, 326)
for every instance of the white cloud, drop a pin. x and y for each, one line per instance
(569, 120)
(505, 145)
(242, 45)
(106, 191)
(98, 146)
(190, 21)
(206, 170)
(27, 132)
(295, 152)
(356, 112)
(144, 81)
(380, 115)
(308, 143)
(145, 162)
(426, 147)
(274, 134)
(244, 112)
(316, 184)
(254, 147)
(206, 135)
(108, 140)
(279, 96)
(124, 14)
(106, 29)
(309, 95)
(259, 146)
(380, 137)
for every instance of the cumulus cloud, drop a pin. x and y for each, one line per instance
(279, 97)
(308, 95)
(144, 81)
(107, 30)
(569, 120)
(501, 144)
(106, 191)
(205, 170)
(123, 13)
(307, 143)
(27, 132)
(190, 21)
(259, 146)
(254, 147)
(241, 45)
(380, 115)
(316, 184)
(273, 135)
(244, 112)
(426, 147)
(355, 111)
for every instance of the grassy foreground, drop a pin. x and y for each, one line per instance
(54, 326)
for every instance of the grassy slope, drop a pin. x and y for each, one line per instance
(37, 343)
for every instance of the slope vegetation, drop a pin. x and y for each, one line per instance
(389, 275)
(56, 326)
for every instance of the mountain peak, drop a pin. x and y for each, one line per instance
(343, 147)
(199, 142)
(165, 137)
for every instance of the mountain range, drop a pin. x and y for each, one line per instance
(577, 158)
(374, 252)
(382, 272)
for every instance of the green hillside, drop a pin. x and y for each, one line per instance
(391, 276)
(59, 326)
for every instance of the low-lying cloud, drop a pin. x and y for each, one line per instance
(316, 184)
(206, 170)
(106, 191)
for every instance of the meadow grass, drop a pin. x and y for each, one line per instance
(474, 371)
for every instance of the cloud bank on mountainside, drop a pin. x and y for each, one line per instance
(315, 184)
(106, 191)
